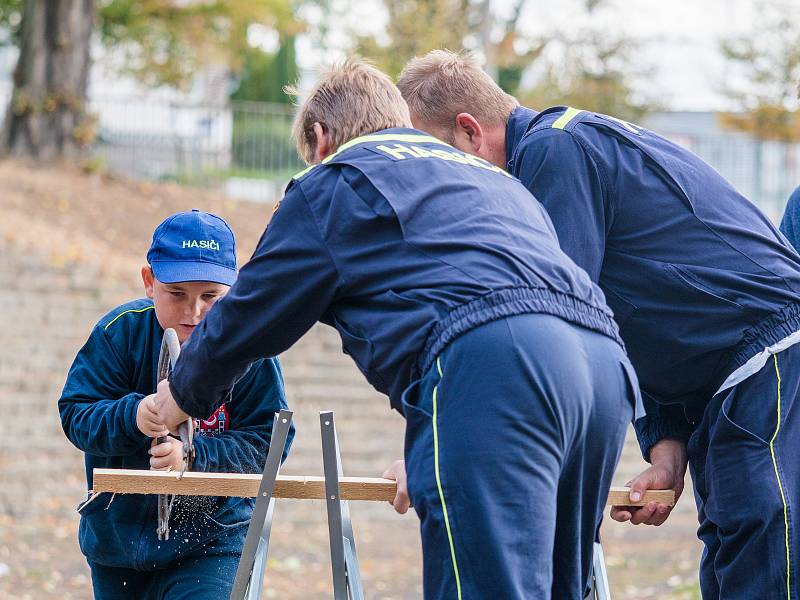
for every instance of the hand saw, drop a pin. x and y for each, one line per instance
(170, 350)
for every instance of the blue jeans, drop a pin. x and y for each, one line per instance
(205, 574)
(512, 438)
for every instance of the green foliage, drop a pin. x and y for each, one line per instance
(93, 165)
(511, 65)
(264, 75)
(584, 67)
(592, 71)
(766, 70)
(10, 19)
(166, 42)
(515, 52)
(10, 13)
(416, 27)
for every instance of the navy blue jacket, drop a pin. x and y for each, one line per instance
(698, 278)
(402, 244)
(114, 370)
(790, 223)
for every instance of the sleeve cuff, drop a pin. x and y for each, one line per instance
(189, 408)
(200, 455)
(652, 429)
(131, 428)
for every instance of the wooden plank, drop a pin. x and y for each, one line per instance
(128, 481)
(620, 496)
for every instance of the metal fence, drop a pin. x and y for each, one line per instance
(764, 171)
(245, 150)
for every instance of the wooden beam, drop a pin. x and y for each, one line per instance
(128, 481)
(620, 495)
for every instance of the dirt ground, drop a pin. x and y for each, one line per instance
(71, 218)
(40, 559)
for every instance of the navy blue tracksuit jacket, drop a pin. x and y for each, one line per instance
(700, 282)
(446, 284)
(112, 372)
(698, 278)
(383, 249)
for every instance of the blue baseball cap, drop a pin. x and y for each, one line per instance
(193, 246)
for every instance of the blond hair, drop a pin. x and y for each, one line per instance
(351, 99)
(442, 84)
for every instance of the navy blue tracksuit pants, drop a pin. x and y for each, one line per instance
(743, 459)
(511, 442)
(206, 573)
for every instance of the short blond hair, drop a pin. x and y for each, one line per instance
(351, 99)
(442, 84)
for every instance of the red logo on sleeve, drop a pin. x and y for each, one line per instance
(215, 424)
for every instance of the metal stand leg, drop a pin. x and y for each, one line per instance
(257, 578)
(344, 561)
(599, 589)
(257, 540)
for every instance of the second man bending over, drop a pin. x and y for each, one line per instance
(704, 290)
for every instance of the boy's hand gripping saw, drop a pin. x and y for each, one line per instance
(170, 349)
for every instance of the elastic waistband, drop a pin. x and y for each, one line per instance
(515, 301)
(768, 332)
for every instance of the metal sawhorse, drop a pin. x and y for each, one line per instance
(599, 579)
(249, 580)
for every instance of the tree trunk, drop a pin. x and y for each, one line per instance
(47, 117)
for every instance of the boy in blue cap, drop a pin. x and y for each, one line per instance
(106, 411)
(706, 293)
(446, 284)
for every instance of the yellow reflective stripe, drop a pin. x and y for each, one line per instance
(569, 114)
(439, 483)
(132, 310)
(778, 477)
(378, 137)
(388, 137)
(303, 172)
